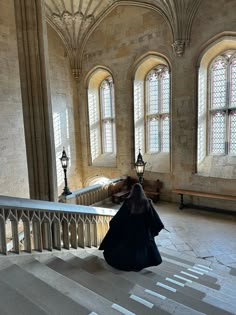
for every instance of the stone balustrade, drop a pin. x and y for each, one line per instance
(31, 225)
(91, 194)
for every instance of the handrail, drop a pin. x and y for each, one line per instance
(51, 225)
(91, 194)
(41, 205)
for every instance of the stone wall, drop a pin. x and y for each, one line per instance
(122, 37)
(117, 43)
(65, 112)
(14, 175)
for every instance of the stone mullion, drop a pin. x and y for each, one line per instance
(37, 108)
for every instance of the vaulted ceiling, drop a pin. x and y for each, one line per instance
(74, 20)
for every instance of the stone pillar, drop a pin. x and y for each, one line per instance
(36, 99)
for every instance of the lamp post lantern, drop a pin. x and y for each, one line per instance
(64, 163)
(140, 167)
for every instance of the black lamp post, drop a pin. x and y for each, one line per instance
(64, 163)
(140, 167)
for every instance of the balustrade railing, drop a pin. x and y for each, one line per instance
(91, 194)
(31, 225)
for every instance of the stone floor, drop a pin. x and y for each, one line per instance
(202, 234)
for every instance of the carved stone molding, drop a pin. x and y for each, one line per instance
(76, 73)
(179, 46)
(180, 15)
(75, 20)
(72, 20)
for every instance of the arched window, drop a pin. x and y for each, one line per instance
(222, 107)
(107, 115)
(157, 109)
(216, 148)
(101, 111)
(152, 112)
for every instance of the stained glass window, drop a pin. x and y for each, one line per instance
(218, 133)
(157, 109)
(106, 91)
(232, 131)
(101, 118)
(233, 83)
(222, 109)
(139, 116)
(165, 133)
(93, 124)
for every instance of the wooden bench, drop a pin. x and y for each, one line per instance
(152, 189)
(120, 196)
(121, 189)
(183, 192)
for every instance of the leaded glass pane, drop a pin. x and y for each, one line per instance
(218, 84)
(153, 136)
(106, 99)
(232, 132)
(67, 124)
(201, 148)
(165, 134)
(138, 100)
(57, 129)
(139, 139)
(60, 175)
(165, 92)
(201, 140)
(218, 133)
(94, 140)
(92, 106)
(152, 86)
(107, 137)
(233, 83)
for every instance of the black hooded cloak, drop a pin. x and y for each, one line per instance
(129, 243)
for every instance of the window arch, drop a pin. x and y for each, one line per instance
(216, 146)
(157, 109)
(152, 112)
(101, 114)
(222, 104)
(107, 114)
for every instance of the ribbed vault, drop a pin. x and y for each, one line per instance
(74, 20)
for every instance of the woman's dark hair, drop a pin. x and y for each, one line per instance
(137, 199)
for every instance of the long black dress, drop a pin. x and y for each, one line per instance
(129, 243)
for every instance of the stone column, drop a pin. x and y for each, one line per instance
(36, 99)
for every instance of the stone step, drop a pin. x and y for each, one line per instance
(13, 302)
(76, 292)
(99, 268)
(40, 293)
(110, 291)
(202, 304)
(223, 280)
(222, 271)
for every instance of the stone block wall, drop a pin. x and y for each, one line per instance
(125, 35)
(14, 174)
(65, 109)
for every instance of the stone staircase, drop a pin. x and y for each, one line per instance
(80, 282)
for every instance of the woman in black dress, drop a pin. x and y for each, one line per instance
(129, 243)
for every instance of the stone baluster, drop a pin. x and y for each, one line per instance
(37, 235)
(56, 233)
(65, 234)
(27, 236)
(3, 240)
(73, 234)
